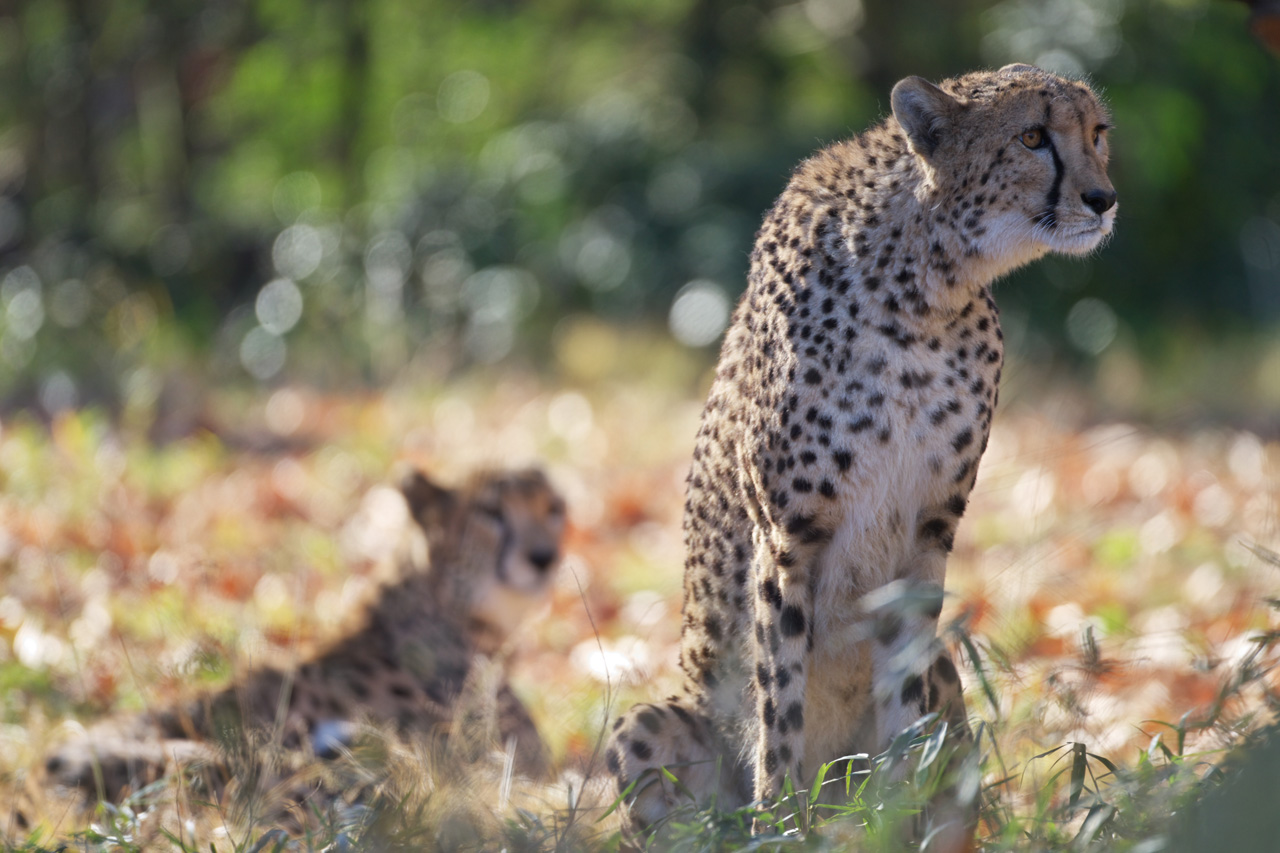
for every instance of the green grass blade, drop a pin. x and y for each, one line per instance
(988, 690)
(613, 807)
(818, 781)
(1105, 762)
(1079, 766)
(933, 745)
(1099, 815)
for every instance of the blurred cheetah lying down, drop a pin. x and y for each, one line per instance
(416, 665)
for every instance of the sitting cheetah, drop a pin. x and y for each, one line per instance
(842, 433)
(493, 546)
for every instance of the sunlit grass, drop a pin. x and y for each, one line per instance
(388, 796)
(1105, 601)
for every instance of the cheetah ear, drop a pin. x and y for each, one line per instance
(1019, 68)
(924, 111)
(430, 505)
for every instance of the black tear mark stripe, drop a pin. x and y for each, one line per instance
(1048, 218)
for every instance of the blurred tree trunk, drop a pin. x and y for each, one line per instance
(77, 129)
(59, 140)
(162, 80)
(28, 123)
(354, 15)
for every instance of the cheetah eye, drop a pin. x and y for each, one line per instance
(1097, 133)
(1034, 138)
(492, 511)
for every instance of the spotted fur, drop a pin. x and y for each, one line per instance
(842, 434)
(476, 561)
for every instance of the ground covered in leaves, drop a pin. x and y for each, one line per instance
(1111, 576)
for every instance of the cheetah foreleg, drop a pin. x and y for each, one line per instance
(905, 618)
(783, 616)
(914, 675)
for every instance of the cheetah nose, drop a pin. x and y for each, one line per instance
(1099, 201)
(542, 558)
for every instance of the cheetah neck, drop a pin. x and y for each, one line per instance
(910, 247)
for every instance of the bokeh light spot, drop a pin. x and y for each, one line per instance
(1152, 471)
(445, 266)
(297, 252)
(285, 411)
(699, 313)
(23, 307)
(1247, 458)
(58, 393)
(1213, 506)
(279, 306)
(462, 96)
(597, 250)
(1033, 494)
(18, 280)
(610, 115)
(500, 294)
(24, 314)
(603, 262)
(295, 194)
(1091, 325)
(262, 353)
(569, 416)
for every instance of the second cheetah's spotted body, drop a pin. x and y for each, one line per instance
(842, 434)
(492, 546)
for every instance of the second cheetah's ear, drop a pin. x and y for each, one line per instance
(924, 111)
(430, 505)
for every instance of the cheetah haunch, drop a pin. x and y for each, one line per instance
(491, 548)
(842, 434)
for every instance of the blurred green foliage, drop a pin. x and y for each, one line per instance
(332, 190)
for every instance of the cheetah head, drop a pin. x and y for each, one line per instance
(1025, 148)
(495, 542)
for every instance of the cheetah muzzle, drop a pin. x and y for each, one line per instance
(842, 433)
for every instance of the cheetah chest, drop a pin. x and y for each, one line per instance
(888, 451)
(911, 423)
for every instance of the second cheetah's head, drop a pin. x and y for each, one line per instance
(1021, 154)
(494, 543)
